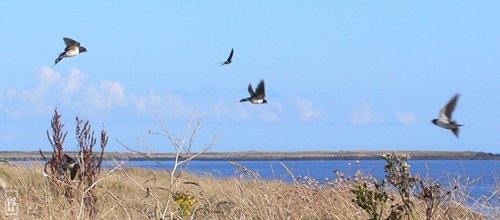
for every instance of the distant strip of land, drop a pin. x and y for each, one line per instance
(272, 155)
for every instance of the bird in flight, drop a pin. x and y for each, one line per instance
(445, 120)
(256, 97)
(72, 49)
(229, 59)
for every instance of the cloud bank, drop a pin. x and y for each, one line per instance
(74, 91)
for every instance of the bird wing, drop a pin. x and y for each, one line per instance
(69, 159)
(82, 49)
(250, 89)
(70, 42)
(261, 91)
(455, 131)
(74, 171)
(230, 55)
(450, 107)
(443, 117)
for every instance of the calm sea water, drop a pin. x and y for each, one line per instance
(485, 172)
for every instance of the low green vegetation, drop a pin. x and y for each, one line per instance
(403, 190)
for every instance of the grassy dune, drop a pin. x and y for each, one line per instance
(134, 193)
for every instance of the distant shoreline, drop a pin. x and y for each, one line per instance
(273, 155)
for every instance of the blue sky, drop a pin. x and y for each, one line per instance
(356, 75)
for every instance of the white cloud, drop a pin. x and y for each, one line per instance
(363, 115)
(114, 92)
(269, 116)
(106, 96)
(237, 111)
(406, 117)
(47, 78)
(234, 111)
(305, 108)
(15, 103)
(167, 103)
(71, 85)
(174, 104)
(74, 81)
(72, 91)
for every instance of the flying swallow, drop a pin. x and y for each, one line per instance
(256, 97)
(445, 120)
(72, 49)
(229, 59)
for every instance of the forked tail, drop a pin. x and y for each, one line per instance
(59, 58)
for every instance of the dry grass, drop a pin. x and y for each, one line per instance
(171, 193)
(135, 193)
